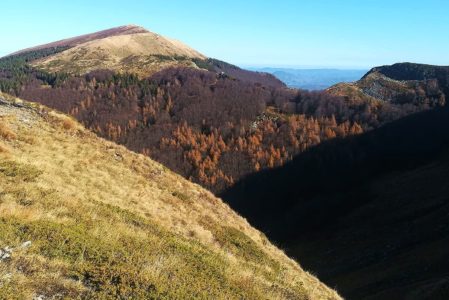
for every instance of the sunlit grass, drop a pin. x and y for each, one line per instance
(103, 227)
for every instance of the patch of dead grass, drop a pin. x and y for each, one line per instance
(5, 132)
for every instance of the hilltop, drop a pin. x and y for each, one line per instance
(424, 86)
(74, 41)
(87, 218)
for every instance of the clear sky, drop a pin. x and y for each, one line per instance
(301, 33)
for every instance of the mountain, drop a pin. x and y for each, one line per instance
(367, 214)
(84, 218)
(326, 154)
(72, 42)
(128, 49)
(208, 120)
(124, 49)
(212, 122)
(313, 79)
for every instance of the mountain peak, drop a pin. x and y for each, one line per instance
(77, 40)
(121, 30)
(133, 26)
(126, 48)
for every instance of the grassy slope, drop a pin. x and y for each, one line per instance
(140, 53)
(107, 223)
(72, 42)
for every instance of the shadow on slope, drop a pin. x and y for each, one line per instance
(368, 214)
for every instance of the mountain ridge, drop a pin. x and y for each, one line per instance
(402, 83)
(73, 41)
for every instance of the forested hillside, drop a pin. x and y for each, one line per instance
(368, 213)
(84, 218)
(212, 125)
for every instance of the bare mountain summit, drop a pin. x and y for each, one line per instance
(71, 42)
(124, 49)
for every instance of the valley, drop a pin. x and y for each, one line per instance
(213, 129)
(350, 180)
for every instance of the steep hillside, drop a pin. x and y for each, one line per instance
(368, 213)
(232, 71)
(84, 218)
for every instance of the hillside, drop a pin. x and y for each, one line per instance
(208, 120)
(368, 213)
(424, 86)
(211, 130)
(86, 219)
(413, 71)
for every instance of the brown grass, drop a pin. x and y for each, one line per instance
(105, 228)
(5, 132)
(68, 124)
(139, 53)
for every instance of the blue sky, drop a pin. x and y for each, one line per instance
(301, 33)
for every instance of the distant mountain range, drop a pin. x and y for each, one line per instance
(313, 79)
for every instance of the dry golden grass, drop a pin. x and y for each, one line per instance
(5, 132)
(139, 53)
(108, 223)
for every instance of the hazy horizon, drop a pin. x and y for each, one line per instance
(302, 67)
